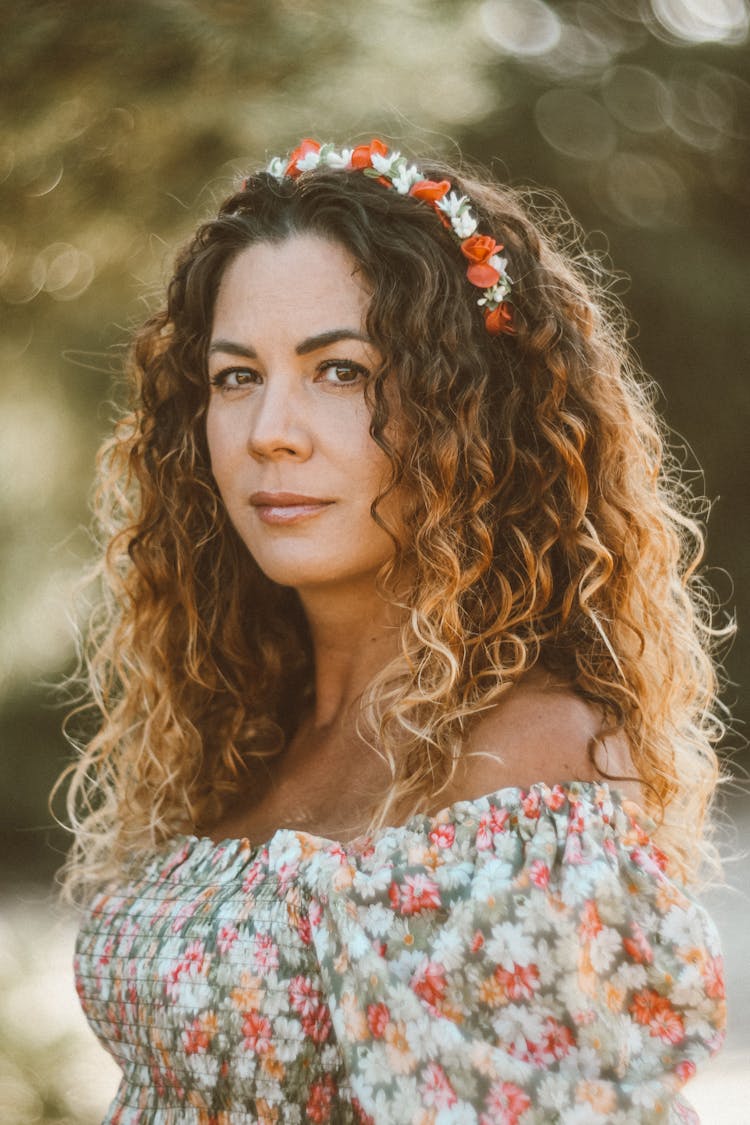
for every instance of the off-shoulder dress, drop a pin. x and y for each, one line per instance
(518, 959)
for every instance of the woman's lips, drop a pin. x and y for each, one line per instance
(286, 507)
(288, 513)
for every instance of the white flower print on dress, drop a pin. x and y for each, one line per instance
(359, 984)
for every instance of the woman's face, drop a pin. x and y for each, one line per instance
(288, 361)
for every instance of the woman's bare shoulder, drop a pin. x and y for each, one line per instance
(541, 731)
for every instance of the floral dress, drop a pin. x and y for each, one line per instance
(516, 959)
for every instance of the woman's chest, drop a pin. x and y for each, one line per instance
(208, 987)
(330, 796)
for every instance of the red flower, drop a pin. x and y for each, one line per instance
(556, 798)
(539, 874)
(256, 1031)
(499, 817)
(303, 996)
(430, 190)
(530, 804)
(557, 1039)
(685, 1070)
(479, 249)
(638, 947)
(591, 924)
(430, 984)
(321, 1098)
(266, 956)
(713, 978)
(436, 1089)
(362, 1117)
(500, 320)
(378, 1018)
(477, 941)
(362, 155)
(506, 1103)
(303, 929)
(443, 835)
(195, 1038)
(317, 1024)
(415, 894)
(655, 1011)
(520, 983)
(301, 150)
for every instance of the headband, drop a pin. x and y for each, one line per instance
(487, 270)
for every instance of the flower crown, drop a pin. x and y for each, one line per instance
(487, 270)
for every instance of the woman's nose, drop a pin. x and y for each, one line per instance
(279, 424)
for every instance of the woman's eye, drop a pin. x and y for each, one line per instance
(232, 378)
(343, 373)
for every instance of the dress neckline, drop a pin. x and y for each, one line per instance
(509, 796)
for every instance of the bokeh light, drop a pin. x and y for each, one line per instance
(636, 97)
(121, 127)
(575, 124)
(643, 190)
(521, 27)
(703, 21)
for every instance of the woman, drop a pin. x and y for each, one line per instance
(396, 583)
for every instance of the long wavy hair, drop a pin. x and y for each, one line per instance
(545, 523)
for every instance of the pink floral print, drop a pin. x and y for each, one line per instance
(521, 959)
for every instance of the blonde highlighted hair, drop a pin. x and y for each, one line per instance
(545, 523)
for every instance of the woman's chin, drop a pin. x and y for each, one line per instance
(319, 573)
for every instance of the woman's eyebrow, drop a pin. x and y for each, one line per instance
(310, 344)
(323, 339)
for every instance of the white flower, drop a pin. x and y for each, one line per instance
(553, 1092)
(338, 160)
(459, 1114)
(493, 874)
(603, 949)
(276, 1000)
(288, 1039)
(630, 976)
(309, 162)
(588, 1062)
(678, 927)
(498, 263)
(689, 990)
(496, 293)
(383, 164)
(373, 1070)
(452, 204)
(455, 874)
(379, 920)
(277, 167)
(405, 179)
(464, 225)
(368, 884)
(509, 946)
(448, 949)
(582, 1115)
(445, 1036)
(358, 944)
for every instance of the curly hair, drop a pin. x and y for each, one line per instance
(545, 523)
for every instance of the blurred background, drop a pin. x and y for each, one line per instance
(123, 123)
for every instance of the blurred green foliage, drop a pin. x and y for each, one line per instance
(123, 123)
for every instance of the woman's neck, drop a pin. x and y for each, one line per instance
(354, 635)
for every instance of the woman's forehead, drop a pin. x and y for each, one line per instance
(305, 282)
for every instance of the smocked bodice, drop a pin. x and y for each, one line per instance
(521, 958)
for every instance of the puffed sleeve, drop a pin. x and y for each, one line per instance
(521, 958)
